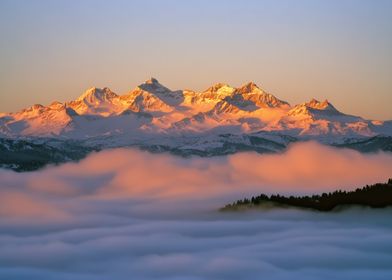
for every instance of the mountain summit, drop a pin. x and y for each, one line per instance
(94, 95)
(325, 105)
(152, 80)
(249, 87)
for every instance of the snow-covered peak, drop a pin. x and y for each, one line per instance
(217, 87)
(325, 105)
(35, 107)
(313, 107)
(251, 92)
(152, 85)
(249, 87)
(95, 95)
(96, 101)
(217, 92)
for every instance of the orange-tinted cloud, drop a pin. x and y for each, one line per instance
(15, 204)
(133, 174)
(154, 216)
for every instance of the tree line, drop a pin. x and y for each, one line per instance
(376, 196)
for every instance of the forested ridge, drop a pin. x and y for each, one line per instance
(378, 195)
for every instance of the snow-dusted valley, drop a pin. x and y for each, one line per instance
(220, 120)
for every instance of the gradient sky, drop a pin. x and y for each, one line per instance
(340, 50)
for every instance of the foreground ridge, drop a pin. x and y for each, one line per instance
(375, 196)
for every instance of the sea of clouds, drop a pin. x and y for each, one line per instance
(128, 214)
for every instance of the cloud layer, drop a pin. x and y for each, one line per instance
(126, 212)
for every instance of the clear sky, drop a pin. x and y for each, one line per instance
(340, 50)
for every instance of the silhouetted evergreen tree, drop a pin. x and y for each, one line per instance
(376, 196)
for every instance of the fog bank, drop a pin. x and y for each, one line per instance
(125, 212)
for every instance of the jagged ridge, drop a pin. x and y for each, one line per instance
(187, 122)
(154, 108)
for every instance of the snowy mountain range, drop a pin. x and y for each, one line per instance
(220, 120)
